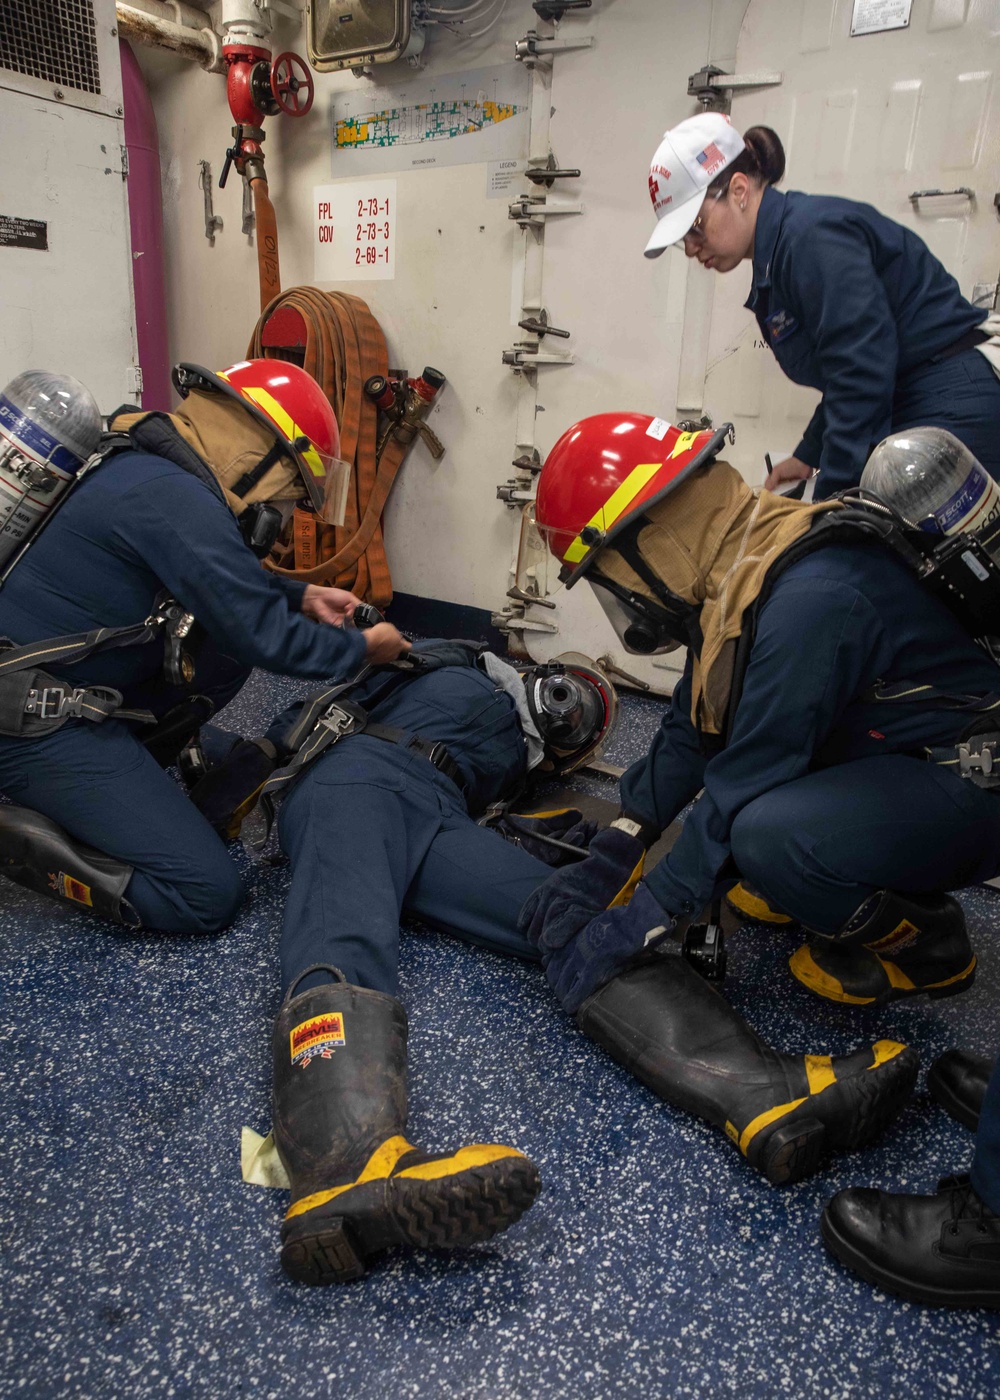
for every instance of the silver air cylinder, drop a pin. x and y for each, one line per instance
(49, 426)
(933, 481)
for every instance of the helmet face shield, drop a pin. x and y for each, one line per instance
(326, 481)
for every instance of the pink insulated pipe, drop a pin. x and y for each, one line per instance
(145, 213)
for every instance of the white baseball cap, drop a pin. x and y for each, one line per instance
(686, 162)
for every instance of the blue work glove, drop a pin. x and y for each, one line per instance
(567, 902)
(605, 947)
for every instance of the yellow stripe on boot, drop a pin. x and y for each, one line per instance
(820, 1076)
(383, 1162)
(742, 899)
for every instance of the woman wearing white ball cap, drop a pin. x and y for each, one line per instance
(850, 302)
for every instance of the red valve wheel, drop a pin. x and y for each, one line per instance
(291, 84)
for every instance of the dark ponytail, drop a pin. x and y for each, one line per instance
(762, 159)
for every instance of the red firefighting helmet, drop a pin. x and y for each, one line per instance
(291, 405)
(606, 470)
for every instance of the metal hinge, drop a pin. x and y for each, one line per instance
(714, 87)
(513, 620)
(526, 355)
(133, 378)
(535, 48)
(531, 210)
(124, 151)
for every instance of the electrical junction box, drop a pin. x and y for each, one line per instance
(65, 254)
(358, 33)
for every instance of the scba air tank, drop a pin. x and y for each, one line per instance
(49, 426)
(933, 481)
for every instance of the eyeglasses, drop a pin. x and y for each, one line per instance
(697, 229)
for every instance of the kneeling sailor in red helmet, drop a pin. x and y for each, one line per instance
(139, 607)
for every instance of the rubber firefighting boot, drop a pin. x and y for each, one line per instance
(339, 1112)
(749, 903)
(785, 1113)
(37, 853)
(896, 945)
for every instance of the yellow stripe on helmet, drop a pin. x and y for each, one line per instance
(683, 443)
(613, 508)
(288, 426)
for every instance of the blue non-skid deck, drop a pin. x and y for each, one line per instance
(136, 1262)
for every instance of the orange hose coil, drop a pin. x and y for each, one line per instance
(344, 347)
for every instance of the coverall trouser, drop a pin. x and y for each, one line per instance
(373, 831)
(961, 394)
(986, 1163)
(103, 787)
(819, 846)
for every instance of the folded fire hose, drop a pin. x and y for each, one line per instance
(345, 350)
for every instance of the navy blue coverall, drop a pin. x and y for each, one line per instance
(857, 306)
(817, 798)
(138, 524)
(373, 829)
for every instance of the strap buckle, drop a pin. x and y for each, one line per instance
(973, 763)
(55, 702)
(338, 721)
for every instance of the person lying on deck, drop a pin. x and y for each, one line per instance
(397, 794)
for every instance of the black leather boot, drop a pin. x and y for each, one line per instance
(37, 853)
(785, 1113)
(358, 1186)
(896, 945)
(943, 1249)
(957, 1081)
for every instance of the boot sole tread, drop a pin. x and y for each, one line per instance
(794, 1147)
(444, 1213)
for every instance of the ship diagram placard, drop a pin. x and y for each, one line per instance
(448, 119)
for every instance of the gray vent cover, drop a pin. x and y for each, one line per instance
(55, 40)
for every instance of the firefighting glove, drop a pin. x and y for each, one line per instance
(547, 835)
(605, 947)
(567, 902)
(229, 792)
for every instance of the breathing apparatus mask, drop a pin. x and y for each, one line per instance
(573, 706)
(645, 625)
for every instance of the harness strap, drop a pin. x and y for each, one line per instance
(325, 720)
(75, 646)
(33, 703)
(912, 691)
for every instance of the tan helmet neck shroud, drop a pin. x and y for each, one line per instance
(230, 442)
(712, 542)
